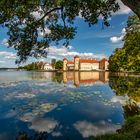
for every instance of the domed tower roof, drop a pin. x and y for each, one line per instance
(76, 56)
(65, 59)
(103, 60)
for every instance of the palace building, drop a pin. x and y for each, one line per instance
(85, 64)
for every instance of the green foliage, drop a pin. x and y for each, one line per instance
(34, 66)
(129, 131)
(130, 86)
(126, 85)
(26, 19)
(53, 62)
(128, 57)
(57, 77)
(59, 65)
(34, 25)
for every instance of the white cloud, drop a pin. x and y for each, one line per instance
(52, 57)
(11, 57)
(8, 55)
(70, 47)
(116, 39)
(7, 63)
(65, 52)
(5, 42)
(123, 9)
(98, 56)
(57, 50)
(2, 61)
(123, 31)
(44, 32)
(87, 129)
(38, 13)
(41, 59)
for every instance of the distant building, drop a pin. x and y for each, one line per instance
(83, 64)
(48, 66)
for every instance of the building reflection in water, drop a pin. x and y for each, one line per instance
(85, 78)
(78, 78)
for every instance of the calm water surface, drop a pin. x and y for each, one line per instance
(66, 106)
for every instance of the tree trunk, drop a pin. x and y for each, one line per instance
(134, 5)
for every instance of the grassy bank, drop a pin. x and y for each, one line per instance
(129, 131)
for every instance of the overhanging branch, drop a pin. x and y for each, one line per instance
(133, 5)
(47, 13)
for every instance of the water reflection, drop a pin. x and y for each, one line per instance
(44, 125)
(85, 78)
(128, 87)
(37, 136)
(69, 105)
(88, 129)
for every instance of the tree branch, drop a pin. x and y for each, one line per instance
(54, 9)
(133, 5)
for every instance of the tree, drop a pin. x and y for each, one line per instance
(59, 65)
(33, 25)
(53, 62)
(128, 57)
(134, 5)
(34, 66)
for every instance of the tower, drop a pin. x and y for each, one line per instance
(76, 62)
(103, 64)
(65, 64)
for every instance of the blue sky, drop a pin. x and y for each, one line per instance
(94, 41)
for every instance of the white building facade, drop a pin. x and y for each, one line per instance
(48, 66)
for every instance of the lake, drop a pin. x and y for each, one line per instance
(64, 106)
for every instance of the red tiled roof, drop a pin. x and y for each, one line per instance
(70, 62)
(76, 56)
(103, 60)
(89, 61)
(82, 60)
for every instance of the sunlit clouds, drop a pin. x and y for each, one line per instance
(117, 39)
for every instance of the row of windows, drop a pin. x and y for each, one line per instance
(90, 67)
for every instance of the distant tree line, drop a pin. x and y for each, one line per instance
(127, 58)
(33, 66)
(58, 65)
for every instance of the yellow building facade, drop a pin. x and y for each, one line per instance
(80, 64)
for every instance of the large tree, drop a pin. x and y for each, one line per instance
(128, 57)
(34, 25)
(59, 65)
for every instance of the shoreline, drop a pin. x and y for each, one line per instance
(112, 72)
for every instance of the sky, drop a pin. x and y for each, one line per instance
(89, 42)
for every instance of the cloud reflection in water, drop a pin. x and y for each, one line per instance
(44, 125)
(87, 129)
